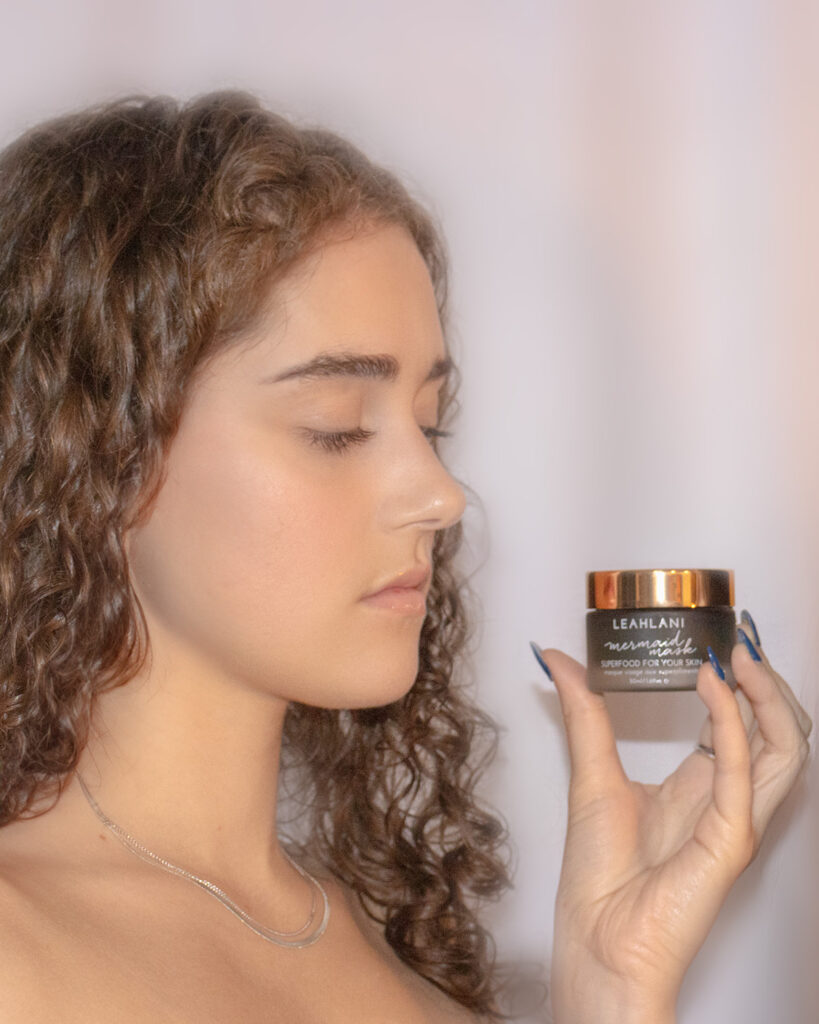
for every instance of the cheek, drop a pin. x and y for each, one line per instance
(291, 540)
(255, 561)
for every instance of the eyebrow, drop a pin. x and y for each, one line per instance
(354, 364)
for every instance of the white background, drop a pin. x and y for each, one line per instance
(629, 196)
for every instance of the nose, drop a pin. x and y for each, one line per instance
(426, 493)
(448, 505)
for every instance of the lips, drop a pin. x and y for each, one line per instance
(414, 578)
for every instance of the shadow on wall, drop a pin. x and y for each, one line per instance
(647, 716)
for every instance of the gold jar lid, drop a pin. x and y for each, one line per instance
(660, 588)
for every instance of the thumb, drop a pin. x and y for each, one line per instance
(595, 762)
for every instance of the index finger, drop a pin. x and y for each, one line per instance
(777, 718)
(802, 717)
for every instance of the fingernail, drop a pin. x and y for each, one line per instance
(743, 636)
(715, 662)
(540, 660)
(746, 617)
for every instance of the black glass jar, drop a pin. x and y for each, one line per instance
(649, 629)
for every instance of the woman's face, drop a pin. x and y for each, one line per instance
(262, 542)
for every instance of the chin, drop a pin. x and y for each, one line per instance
(364, 671)
(381, 692)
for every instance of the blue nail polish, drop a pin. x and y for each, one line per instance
(540, 660)
(746, 617)
(715, 662)
(743, 636)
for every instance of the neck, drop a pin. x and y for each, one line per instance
(188, 762)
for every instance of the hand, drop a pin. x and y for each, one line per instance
(646, 868)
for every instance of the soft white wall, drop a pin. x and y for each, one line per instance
(627, 194)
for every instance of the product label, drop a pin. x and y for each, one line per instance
(656, 650)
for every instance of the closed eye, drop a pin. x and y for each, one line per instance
(341, 440)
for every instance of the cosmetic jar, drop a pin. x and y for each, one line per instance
(649, 629)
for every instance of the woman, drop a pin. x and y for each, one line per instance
(227, 551)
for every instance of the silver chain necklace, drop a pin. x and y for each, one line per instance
(279, 938)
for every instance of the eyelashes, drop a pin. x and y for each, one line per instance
(341, 440)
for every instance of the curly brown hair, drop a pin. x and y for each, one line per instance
(138, 238)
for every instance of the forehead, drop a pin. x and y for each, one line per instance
(370, 295)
